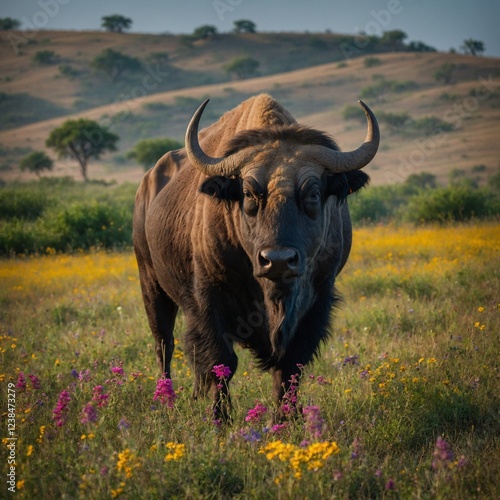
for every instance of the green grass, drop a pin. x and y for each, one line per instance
(413, 356)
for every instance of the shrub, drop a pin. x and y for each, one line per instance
(22, 203)
(45, 57)
(453, 203)
(371, 61)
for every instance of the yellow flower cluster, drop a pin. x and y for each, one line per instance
(312, 457)
(127, 462)
(176, 451)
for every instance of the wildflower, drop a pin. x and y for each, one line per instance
(123, 424)
(255, 413)
(480, 309)
(35, 381)
(277, 428)
(61, 410)
(314, 421)
(127, 462)
(85, 375)
(443, 455)
(356, 448)
(98, 394)
(20, 484)
(351, 360)
(21, 382)
(29, 451)
(89, 414)
(221, 371)
(164, 392)
(321, 380)
(117, 370)
(74, 373)
(176, 451)
(390, 485)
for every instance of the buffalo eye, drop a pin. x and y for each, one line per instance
(311, 199)
(252, 195)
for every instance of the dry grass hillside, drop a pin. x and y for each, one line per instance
(391, 83)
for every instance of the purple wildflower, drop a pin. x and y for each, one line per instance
(123, 424)
(89, 414)
(250, 435)
(255, 413)
(277, 428)
(74, 373)
(390, 485)
(165, 392)
(99, 395)
(351, 360)
(314, 422)
(321, 380)
(21, 382)
(221, 371)
(35, 381)
(61, 410)
(85, 375)
(443, 455)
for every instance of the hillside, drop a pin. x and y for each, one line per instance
(391, 83)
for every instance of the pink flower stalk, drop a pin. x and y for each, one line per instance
(221, 371)
(35, 381)
(61, 410)
(100, 396)
(277, 428)
(255, 413)
(21, 382)
(314, 422)
(89, 414)
(165, 392)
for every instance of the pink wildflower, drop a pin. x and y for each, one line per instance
(443, 455)
(255, 413)
(117, 370)
(85, 375)
(61, 410)
(221, 371)
(165, 392)
(21, 382)
(35, 381)
(100, 395)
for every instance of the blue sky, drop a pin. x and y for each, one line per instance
(440, 23)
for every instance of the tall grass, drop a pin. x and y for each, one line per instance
(402, 402)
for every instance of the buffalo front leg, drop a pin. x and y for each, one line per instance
(161, 311)
(285, 391)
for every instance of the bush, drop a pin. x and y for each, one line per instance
(22, 203)
(453, 203)
(45, 57)
(371, 61)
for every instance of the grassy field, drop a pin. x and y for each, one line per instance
(403, 402)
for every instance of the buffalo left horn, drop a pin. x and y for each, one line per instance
(227, 167)
(339, 162)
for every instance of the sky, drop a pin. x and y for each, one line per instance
(443, 24)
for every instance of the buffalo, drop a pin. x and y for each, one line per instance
(245, 229)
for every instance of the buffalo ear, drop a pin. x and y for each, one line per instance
(223, 188)
(342, 185)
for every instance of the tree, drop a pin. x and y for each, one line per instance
(420, 47)
(115, 63)
(204, 32)
(36, 162)
(244, 26)
(445, 72)
(116, 23)
(394, 38)
(472, 47)
(7, 23)
(242, 67)
(81, 139)
(148, 151)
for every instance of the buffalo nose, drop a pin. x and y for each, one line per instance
(275, 263)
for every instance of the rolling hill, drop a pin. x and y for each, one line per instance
(306, 73)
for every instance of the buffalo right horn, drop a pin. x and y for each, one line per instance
(226, 167)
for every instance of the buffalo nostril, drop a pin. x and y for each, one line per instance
(264, 261)
(275, 263)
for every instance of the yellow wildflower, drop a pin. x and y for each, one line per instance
(176, 451)
(29, 452)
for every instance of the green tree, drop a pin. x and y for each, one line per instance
(244, 26)
(420, 47)
(148, 151)
(445, 72)
(36, 162)
(472, 47)
(116, 23)
(81, 139)
(115, 63)
(204, 32)
(7, 23)
(394, 38)
(242, 67)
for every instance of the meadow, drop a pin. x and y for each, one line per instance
(402, 403)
